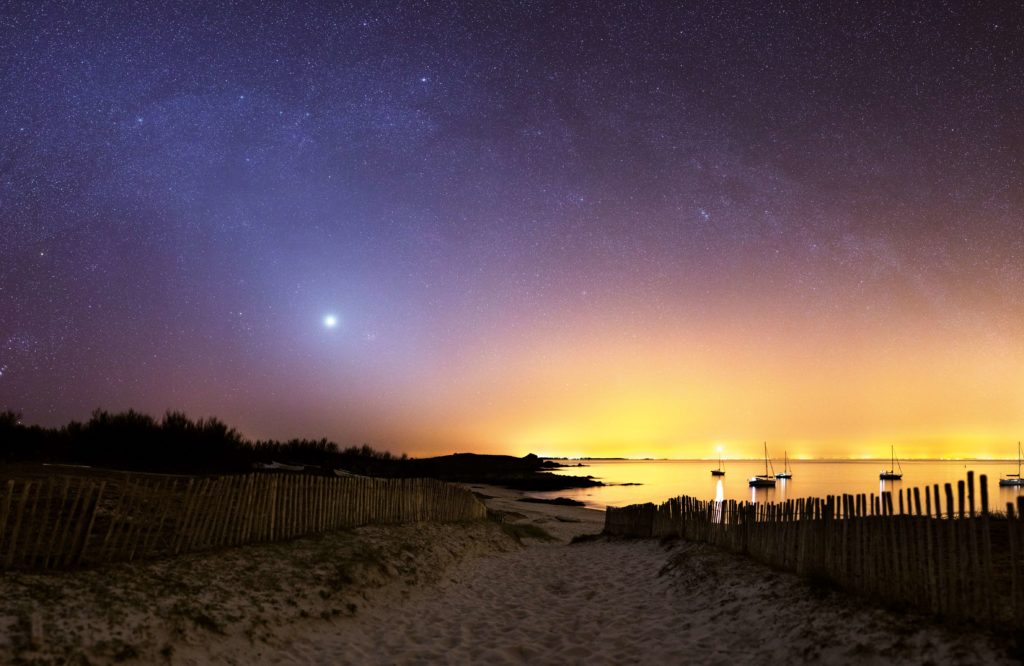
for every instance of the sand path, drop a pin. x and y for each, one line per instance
(545, 604)
(628, 602)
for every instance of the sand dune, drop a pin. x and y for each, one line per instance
(469, 594)
(622, 602)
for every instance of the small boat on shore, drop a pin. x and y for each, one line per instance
(785, 473)
(891, 474)
(765, 480)
(1014, 480)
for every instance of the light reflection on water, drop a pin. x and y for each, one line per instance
(662, 479)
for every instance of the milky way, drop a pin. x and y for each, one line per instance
(572, 227)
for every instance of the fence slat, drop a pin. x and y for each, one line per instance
(62, 516)
(19, 513)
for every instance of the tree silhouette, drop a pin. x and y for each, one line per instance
(176, 443)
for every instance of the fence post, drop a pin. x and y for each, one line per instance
(94, 507)
(987, 572)
(41, 522)
(19, 511)
(69, 520)
(60, 518)
(1011, 522)
(181, 526)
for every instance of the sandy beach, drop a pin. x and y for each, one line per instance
(462, 594)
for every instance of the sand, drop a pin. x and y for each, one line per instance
(233, 606)
(632, 602)
(471, 594)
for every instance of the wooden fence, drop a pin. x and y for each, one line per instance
(65, 521)
(949, 558)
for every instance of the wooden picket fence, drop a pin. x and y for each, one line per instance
(951, 559)
(58, 522)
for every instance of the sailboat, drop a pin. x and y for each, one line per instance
(719, 471)
(891, 474)
(785, 473)
(765, 480)
(1014, 479)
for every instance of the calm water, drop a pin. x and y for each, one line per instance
(662, 479)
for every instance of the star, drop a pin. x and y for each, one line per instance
(330, 321)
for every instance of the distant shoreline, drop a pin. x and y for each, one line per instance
(791, 460)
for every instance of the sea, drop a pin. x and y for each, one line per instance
(639, 481)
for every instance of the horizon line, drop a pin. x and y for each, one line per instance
(806, 460)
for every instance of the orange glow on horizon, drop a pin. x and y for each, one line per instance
(814, 390)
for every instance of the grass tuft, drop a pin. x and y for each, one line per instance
(521, 531)
(204, 621)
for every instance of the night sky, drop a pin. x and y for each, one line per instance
(569, 228)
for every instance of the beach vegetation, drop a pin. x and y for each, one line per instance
(125, 652)
(520, 531)
(204, 621)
